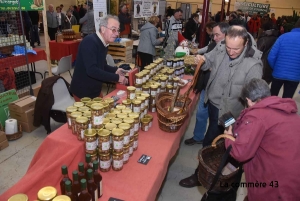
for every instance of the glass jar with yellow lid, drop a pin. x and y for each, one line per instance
(116, 121)
(116, 111)
(147, 73)
(78, 104)
(136, 105)
(106, 120)
(85, 99)
(130, 121)
(169, 88)
(97, 115)
(135, 142)
(126, 128)
(105, 108)
(61, 198)
(125, 153)
(83, 108)
(126, 111)
(163, 81)
(97, 100)
(127, 103)
(145, 124)
(104, 162)
(122, 116)
(117, 161)
(110, 127)
(90, 138)
(153, 90)
(110, 101)
(89, 104)
(135, 116)
(145, 89)
(131, 146)
(138, 87)
(111, 115)
(88, 114)
(139, 78)
(120, 107)
(131, 92)
(18, 197)
(142, 99)
(175, 81)
(117, 138)
(81, 126)
(150, 117)
(74, 115)
(47, 193)
(103, 141)
(69, 110)
(147, 96)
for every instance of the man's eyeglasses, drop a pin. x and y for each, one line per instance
(114, 30)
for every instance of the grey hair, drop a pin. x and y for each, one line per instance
(255, 90)
(104, 21)
(223, 26)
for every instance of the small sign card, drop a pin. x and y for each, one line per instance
(114, 199)
(144, 159)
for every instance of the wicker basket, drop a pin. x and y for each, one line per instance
(209, 161)
(14, 136)
(170, 121)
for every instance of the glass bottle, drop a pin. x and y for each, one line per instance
(76, 185)
(64, 171)
(84, 194)
(69, 191)
(81, 172)
(97, 178)
(87, 162)
(92, 187)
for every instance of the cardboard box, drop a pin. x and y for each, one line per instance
(36, 90)
(6, 98)
(26, 127)
(3, 144)
(22, 105)
(2, 136)
(26, 117)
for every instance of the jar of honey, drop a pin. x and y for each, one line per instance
(163, 81)
(130, 121)
(145, 89)
(81, 126)
(125, 154)
(85, 100)
(104, 162)
(110, 101)
(88, 114)
(126, 128)
(139, 78)
(97, 100)
(19, 197)
(138, 87)
(127, 103)
(169, 88)
(117, 161)
(147, 97)
(78, 104)
(153, 89)
(105, 108)
(90, 138)
(135, 116)
(97, 115)
(47, 193)
(131, 146)
(74, 115)
(69, 110)
(116, 121)
(117, 138)
(142, 99)
(136, 106)
(150, 117)
(135, 142)
(103, 141)
(145, 124)
(131, 92)
(89, 104)
(83, 109)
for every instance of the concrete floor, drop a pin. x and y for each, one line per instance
(15, 159)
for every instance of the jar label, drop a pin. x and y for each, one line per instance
(82, 134)
(105, 164)
(145, 111)
(90, 126)
(158, 90)
(153, 109)
(91, 145)
(146, 102)
(132, 96)
(125, 157)
(118, 163)
(136, 109)
(105, 146)
(135, 144)
(146, 128)
(175, 84)
(153, 93)
(150, 124)
(163, 84)
(69, 121)
(131, 132)
(138, 89)
(139, 81)
(98, 120)
(136, 127)
(126, 139)
(130, 150)
(143, 105)
(118, 144)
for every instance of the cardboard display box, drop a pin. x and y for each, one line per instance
(3, 145)
(36, 91)
(22, 105)
(27, 127)
(2, 136)
(26, 117)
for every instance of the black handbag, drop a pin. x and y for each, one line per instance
(223, 196)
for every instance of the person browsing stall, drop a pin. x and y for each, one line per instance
(148, 41)
(91, 68)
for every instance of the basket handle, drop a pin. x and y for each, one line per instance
(214, 143)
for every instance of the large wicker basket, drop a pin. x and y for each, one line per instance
(170, 121)
(209, 161)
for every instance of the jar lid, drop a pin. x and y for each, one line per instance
(126, 102)
(158, 84)
(87, 113)
(169, 86)
(131, 88)
(149, 116)
(128, 120)
(82, 120)
(97, 106)
(163, 78)
(124, 126)
(76, 114)
(176, 79)
(141, 98)
(110, 126)
(133, 115)
(90, 132)
(145, 86)
(106, 120)
(139, 75)
(18, 197)
(145, 95)
(116, 111)
(117, 131)
(109, 100)
(116, 120)
(83, 108)
(145, 120)
(61, 198)
(104, 154)
(103, 132)
(126, 111)
(89, 103)
(111, 115)
(122, 115)
(97, 99)
(47, 193)
(78, 104)
(105, 104)
(118, 153)
(85, 99)
(71, 109)
(120, 107)
(135, 101)
(153, 86)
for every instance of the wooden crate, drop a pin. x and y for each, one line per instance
(120, 53)
(121, 50)
(122, 44)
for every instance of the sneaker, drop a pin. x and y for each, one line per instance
(191, 142)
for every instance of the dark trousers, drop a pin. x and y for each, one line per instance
(52, 32)
(146, 59)
(289, 87)
(34, 35)
(213, 128)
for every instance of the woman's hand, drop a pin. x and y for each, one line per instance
(228, 131)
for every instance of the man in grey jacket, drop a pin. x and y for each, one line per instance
(174, 25)
(52, 22)
(233, 63)
(88, 23)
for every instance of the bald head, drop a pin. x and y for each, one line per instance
(51, 7)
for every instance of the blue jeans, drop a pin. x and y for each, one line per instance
(201, 119)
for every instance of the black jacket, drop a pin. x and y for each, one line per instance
(124, 19)
(44, 102)
(190, 29)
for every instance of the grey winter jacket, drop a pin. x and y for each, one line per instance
(247, 66)
(175, 26)
(88, 23)
(52, 21)
(68, 23)
(148, 39)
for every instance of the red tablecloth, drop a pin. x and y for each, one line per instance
(62, 49)
(134, 182)
(16, 61)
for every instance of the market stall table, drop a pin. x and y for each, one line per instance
(62, 49)
(135, 182)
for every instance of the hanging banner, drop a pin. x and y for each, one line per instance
(251, 7)
(100, 11)
(146, 8)
(13, 5)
